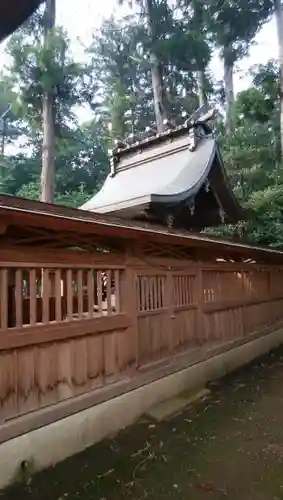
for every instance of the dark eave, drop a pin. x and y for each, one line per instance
(13, 13)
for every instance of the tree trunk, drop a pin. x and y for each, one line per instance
(279, 21)
(156, 73)
(228, 89)
(3, 135)
(202, 98)
(199, 28)
(48, 118)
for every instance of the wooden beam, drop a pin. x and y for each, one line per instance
(42, 334)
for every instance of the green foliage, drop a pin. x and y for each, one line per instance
(81, 150)
(234, 23)
(254, 104)
(252, 158)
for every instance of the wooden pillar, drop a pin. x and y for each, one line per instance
(128, 304)
(244, 298)
(169, 304)
(200, 333)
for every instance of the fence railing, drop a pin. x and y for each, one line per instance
(86, 322)
(39, 295)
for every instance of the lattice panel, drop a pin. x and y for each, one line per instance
(222, 285)
(43, 295)
(150, 292)
(183, 290)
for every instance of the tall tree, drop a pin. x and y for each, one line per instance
(155, 64)
(121, 78)
(233, 25)
(150, 13)
(48, 112)
(32, 71)
(198, 24)
(252, 158)
(279, 21)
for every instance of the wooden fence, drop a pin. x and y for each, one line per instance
(77, 328)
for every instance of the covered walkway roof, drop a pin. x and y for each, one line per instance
(30, 222)
(13, 13)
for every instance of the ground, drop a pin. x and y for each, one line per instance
(227, 446)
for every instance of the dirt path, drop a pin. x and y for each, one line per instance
(229, 446)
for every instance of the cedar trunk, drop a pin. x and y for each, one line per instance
(228, 89)
(48, 118)
(202, 98)
(279, 21)
(156, 72)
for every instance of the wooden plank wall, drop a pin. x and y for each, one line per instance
(203, 305)
(62, 330)
(85, 322)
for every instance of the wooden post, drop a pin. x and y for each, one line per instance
(244, 298)
(169, 304)
(201, 334)
(4, 298)
(128, 298)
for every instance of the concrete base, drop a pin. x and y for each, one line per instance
(170, 407)
(53, 443)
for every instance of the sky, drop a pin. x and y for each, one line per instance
(80, 18)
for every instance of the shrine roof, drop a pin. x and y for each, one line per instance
(177, 174)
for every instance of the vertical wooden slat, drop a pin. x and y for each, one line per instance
(244, 292)
(58, 295)
(108, 292)
(175, 290)
(182, 290)
(146, 293)
(186, 291)
(45, 295)
(149, 292)
(169, 282)
(154, 292)
(99, 278)
(200, 334)
(179, 291)
(4, 298)
(191, 284)
(69, 275)
(90, 292)
(183, 282)
(158, 301)
(19, 298)
(162, 291)
(184, 300)
(80, 292)
(117, 291)
(32, 297)
(150, 297)
(142, 287)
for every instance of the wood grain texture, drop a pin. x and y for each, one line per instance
(69, 329)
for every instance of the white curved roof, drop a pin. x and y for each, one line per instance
(167, 172)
